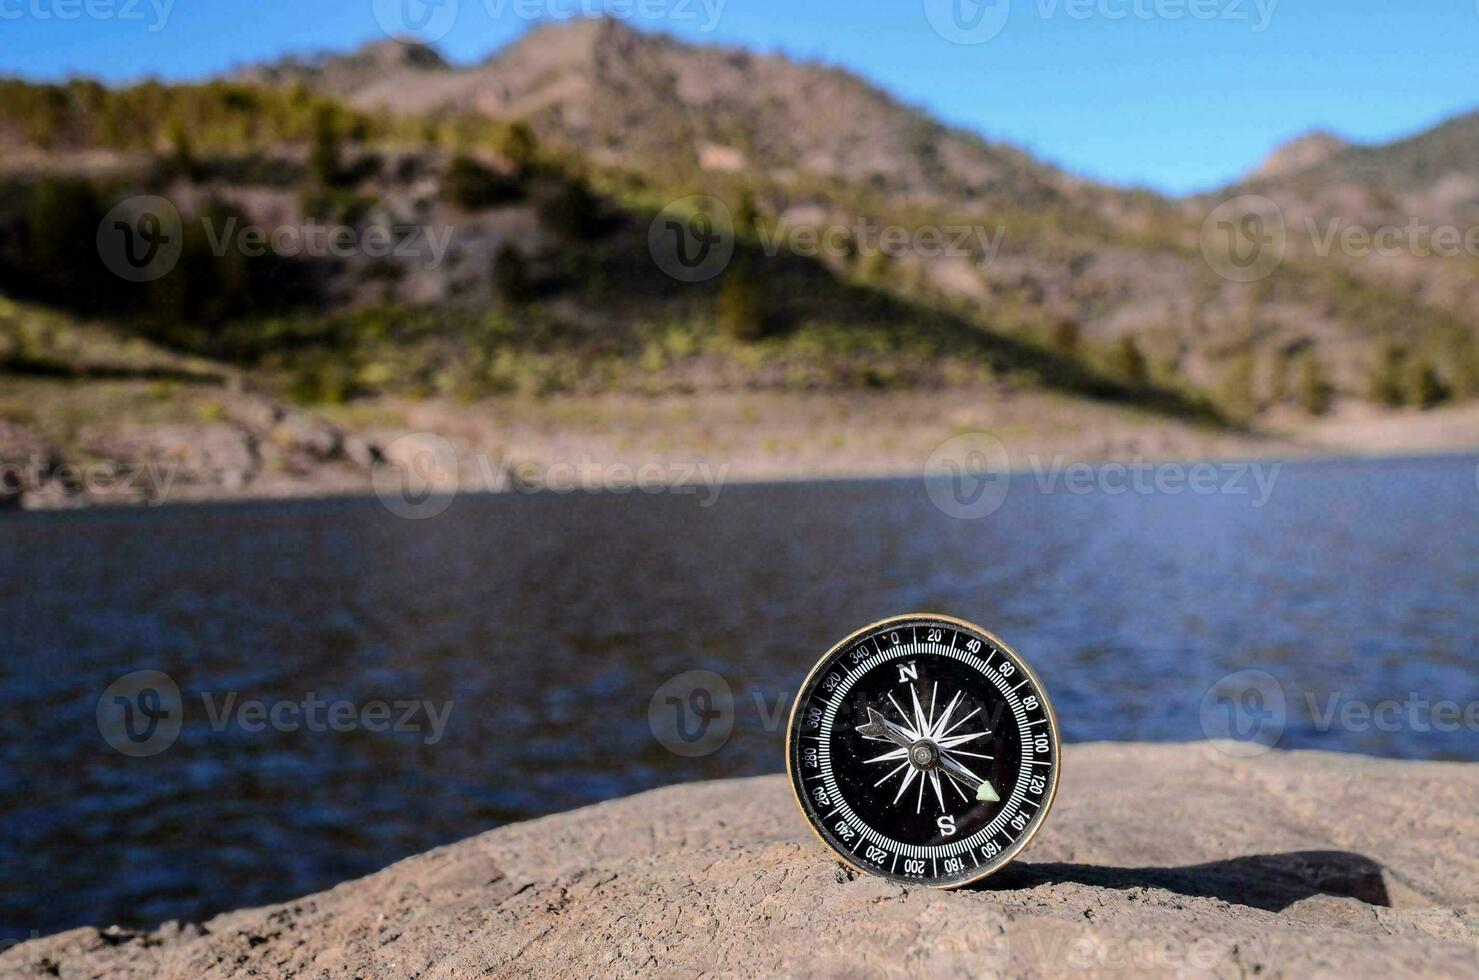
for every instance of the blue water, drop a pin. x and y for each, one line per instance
(549, 622)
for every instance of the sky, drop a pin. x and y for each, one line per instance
(1176, 95)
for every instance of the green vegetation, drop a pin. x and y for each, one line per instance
(579, 304)
(472, 186)
(51, 255)
(1425, 388)
(512, 281)
(325, 159)
(1387, 384)
(1315, 392)
(1066, 337)
(220, 118)
(1236, 393)
(739, 312)
(1127, 363)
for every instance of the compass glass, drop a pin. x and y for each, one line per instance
(923, 749)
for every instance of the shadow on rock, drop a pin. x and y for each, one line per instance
(1272, 882)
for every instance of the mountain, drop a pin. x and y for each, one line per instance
(1299, 154)
(651, 102)
(343, 73)
(1416, 164)
(1400, 217)
(560, 150)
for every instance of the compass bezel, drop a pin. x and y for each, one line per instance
(1028, 833)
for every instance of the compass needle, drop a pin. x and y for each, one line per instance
(958, 788)
(937, 708)
(961, 770)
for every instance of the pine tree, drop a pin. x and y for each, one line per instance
(1387, 385)
(1237, 386)
(521, 148)
(1425, 388)
(738, 307)
(324, 157)
(1128, 363)
(1065, 337)
(511, 280)
(1315, 392)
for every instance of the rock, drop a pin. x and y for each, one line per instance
(421, 462)
(1158, 859)
(27, 460)
(361, 452)
(299, 432)
(216, 454)
(253, 412)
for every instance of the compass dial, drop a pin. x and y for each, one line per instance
(923, 749)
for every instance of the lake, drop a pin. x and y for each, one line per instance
(538, 628)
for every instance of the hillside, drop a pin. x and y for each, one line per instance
(811, 145)
(655, 105)
(1302, 153)
(523, 202)
(1402, 217)
(1414, 164)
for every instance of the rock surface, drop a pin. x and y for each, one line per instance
(1157, 859)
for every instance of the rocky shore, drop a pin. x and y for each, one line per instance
(1158, 859)
(222, 443)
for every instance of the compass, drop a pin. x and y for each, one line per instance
(924, 749)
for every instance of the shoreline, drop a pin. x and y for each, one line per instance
(236, 447)
(364, 492)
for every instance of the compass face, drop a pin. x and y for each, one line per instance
(923, 749)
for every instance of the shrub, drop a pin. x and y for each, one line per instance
(1065, 337)
(182, 162)
(1425, 388)
(520, 147)
(471, 186)
(738, 310)
(1387, 384)
(1237, 386)
(511, 280)
(569, 208)
(1315, 392)
(324, 158)
(1127, 363)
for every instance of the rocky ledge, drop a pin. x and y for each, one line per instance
(1158, 859)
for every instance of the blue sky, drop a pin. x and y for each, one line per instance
(1179, 95)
